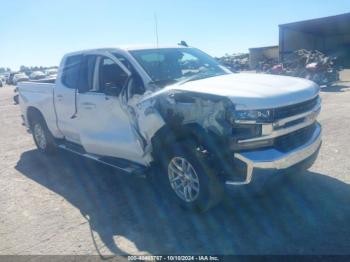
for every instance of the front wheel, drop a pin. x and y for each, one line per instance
(187, 178)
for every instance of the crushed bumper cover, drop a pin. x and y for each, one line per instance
(272, 160)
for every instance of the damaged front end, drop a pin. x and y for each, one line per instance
(236, 142)
(184, 115)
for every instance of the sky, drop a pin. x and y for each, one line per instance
(39, 33)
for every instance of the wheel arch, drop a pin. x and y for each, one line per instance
(193, 131)
(34, 113)
(200, 136)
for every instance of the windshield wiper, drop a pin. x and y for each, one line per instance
(163, 82)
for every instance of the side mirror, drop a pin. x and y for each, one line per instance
(112, 90)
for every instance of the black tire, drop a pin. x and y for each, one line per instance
(49, 146)
(210, 187)
(15, 99)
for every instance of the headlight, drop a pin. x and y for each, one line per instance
(264, 115)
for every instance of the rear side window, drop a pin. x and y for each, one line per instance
(71, 71)
(87, 74)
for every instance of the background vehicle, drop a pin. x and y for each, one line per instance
(19, 78)
(6, 77)
(10, 78)
(52, 72)
(37, 75)
(2, 80)
(3, 77)
(194, 130)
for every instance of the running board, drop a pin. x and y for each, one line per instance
(129, 168)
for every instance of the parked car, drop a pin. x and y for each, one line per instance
(2, 80)
(52, 72)
(192, 132)
(19, 78)
(10, 78)
(36, 75)
(6, 77)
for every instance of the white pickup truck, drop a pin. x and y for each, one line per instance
(177, 112)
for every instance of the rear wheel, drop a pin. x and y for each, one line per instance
(187, 179)
(42, 136)
(15, 99)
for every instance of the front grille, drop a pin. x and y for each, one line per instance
(295, 109)
(295, 139)
(243, 131)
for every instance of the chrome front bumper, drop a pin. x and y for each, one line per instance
(273, 159)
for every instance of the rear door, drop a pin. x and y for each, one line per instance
(64, 96)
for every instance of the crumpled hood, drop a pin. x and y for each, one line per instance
(254, 91)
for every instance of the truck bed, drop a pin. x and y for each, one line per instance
(40, 96)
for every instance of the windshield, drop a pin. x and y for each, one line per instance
(171, 65)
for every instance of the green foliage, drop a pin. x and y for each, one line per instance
(4, 70)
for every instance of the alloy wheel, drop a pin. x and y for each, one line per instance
(183, 179)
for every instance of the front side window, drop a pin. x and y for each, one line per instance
(111, 74)
(125, 62)
(136, 84)
(170, 65)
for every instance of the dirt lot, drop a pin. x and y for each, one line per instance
(67, 205)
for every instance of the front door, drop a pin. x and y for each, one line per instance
(104, 125)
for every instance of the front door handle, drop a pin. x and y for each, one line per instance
(89, 105)
(59, 97)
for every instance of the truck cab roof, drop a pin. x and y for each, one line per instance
(124, 48)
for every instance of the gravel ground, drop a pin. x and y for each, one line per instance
(68, 205)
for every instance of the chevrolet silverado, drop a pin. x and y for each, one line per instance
(178, 115)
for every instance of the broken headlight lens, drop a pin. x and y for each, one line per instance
(264, 115)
